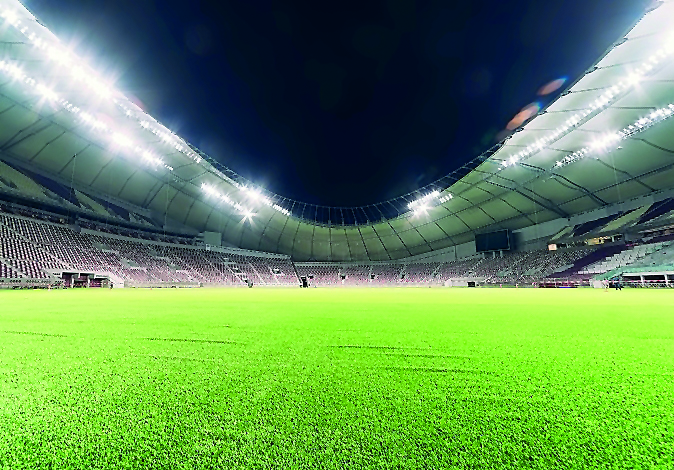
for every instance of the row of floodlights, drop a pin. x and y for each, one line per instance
(211, 191)
(423, 204)
(122, 141)
(256, 195)
(609, 141)
(117, 139)
(69, 63)
(61, 56)
(604, 100)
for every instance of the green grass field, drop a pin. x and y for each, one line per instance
(337, 378)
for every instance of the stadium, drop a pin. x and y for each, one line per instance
(158, 310)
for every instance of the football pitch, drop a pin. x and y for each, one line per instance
(337, 378)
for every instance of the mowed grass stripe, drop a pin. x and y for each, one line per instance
(337, 378)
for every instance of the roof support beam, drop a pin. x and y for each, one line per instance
(545, 205)
(588, 193)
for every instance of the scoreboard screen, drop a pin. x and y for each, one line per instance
(494, 241)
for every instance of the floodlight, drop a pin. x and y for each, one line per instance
(13, 71)
(669, 44)
(604, 141)
(11, 17)
(121, 140)
(152, 158)
(47, 92)
(634, 78)
(59, 55)
(422, 209)
(255, 194)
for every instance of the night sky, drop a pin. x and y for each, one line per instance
(338, 103)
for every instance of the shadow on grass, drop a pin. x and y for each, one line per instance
(451, 356)
(439, 370)
(364, 346)
(190, 359)
(214, 341)
(34, 334)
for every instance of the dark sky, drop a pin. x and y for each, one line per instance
(338, 103)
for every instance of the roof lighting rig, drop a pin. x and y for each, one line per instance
(212, 192)
(256, 195)
(607, 98)
(423, 204)
(117, 139)
(68, 63)
(52, 51)
(609, 141)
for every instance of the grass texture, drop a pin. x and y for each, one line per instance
(337, 378)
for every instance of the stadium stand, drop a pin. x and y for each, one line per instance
(385, 274)
(419, 273)
(630, 256)
(39, 246)
(33, 249)
(319, 275)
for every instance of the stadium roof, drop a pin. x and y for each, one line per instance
(606, 139)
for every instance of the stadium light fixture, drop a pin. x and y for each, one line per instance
(424, 199)
(669, 43)
(603, 101)
(255, 194)
(634, 78)
(150, 158)
(423, 204)
(53, 51)
(605, 143)
(121, 140)
(40, 38)
(37, 35)
(46, 92)
(421, 210)
(11, 17)
(61, 56)
(212, 192)
(281, 209)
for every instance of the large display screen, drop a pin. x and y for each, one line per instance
(494, 241)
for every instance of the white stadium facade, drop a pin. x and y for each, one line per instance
(86, 169)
